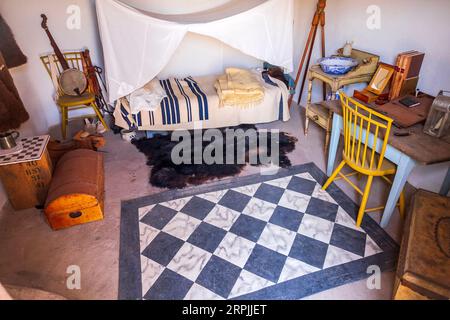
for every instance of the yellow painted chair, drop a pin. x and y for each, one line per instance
(68, 103)
(363, 153)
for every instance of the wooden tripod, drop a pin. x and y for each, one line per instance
(319, 18)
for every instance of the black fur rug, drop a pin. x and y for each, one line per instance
(165, 174)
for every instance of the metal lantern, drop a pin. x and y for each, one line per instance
(438, 121)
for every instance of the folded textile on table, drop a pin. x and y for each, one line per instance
(239, 88)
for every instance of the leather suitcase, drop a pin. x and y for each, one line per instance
(76, 194)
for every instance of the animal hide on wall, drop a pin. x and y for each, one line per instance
(9, 48)
(12, 110)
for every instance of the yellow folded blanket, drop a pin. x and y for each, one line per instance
(240, 88)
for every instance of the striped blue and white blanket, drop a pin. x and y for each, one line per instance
(194, 103)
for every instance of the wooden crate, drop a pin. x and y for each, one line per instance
(423, 271)
(27, 183)
(76, 195)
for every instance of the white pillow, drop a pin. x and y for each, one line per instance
(147, 98)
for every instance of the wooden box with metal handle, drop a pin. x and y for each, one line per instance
(76, 194)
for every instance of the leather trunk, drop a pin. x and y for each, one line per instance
(76, 194)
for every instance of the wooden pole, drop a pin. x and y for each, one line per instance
(305, 52)
(319, 18)
(308, 61)
(322, 24)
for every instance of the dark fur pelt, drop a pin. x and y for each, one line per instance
(12, 110)
(165, 174)
(14, 57)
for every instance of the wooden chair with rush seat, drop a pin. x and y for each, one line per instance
(366, 135)
(68, 103)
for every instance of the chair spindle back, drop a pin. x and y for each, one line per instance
(73, 58)
(363, 128)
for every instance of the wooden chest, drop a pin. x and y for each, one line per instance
(76, 194)
(423, 272)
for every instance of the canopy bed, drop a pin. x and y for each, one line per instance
(137, 45)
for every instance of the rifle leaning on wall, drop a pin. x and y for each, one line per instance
(93, 73)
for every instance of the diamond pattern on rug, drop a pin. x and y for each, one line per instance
(207, 237)
(197, 292)
(169, 286)
(310, 251)
(213, 196)
(302, 185)
(235, 249)
(322, 209)
(349, 239)
(287, 218)
(248, 227)
(219, 276)
(234, 242)
(176, 204)
(189, 261)
(269, 193)
(266, 263)
(294, 268)
(163, 248)
(198, 208)
(159, 216)
(248, 282)
(235, 200)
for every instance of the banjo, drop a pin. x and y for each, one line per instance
(72, 81)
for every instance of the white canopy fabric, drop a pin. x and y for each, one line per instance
(137, 45)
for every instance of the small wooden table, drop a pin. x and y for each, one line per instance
(315, 112)
(445, 189)
(27, 173)
(406, 152)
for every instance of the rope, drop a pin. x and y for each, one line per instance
(436, 236)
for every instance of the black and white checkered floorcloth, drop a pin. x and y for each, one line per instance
(259, 237)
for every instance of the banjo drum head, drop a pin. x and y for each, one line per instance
(71, 80)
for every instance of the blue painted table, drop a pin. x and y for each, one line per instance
(406, 152)
(445, 189)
